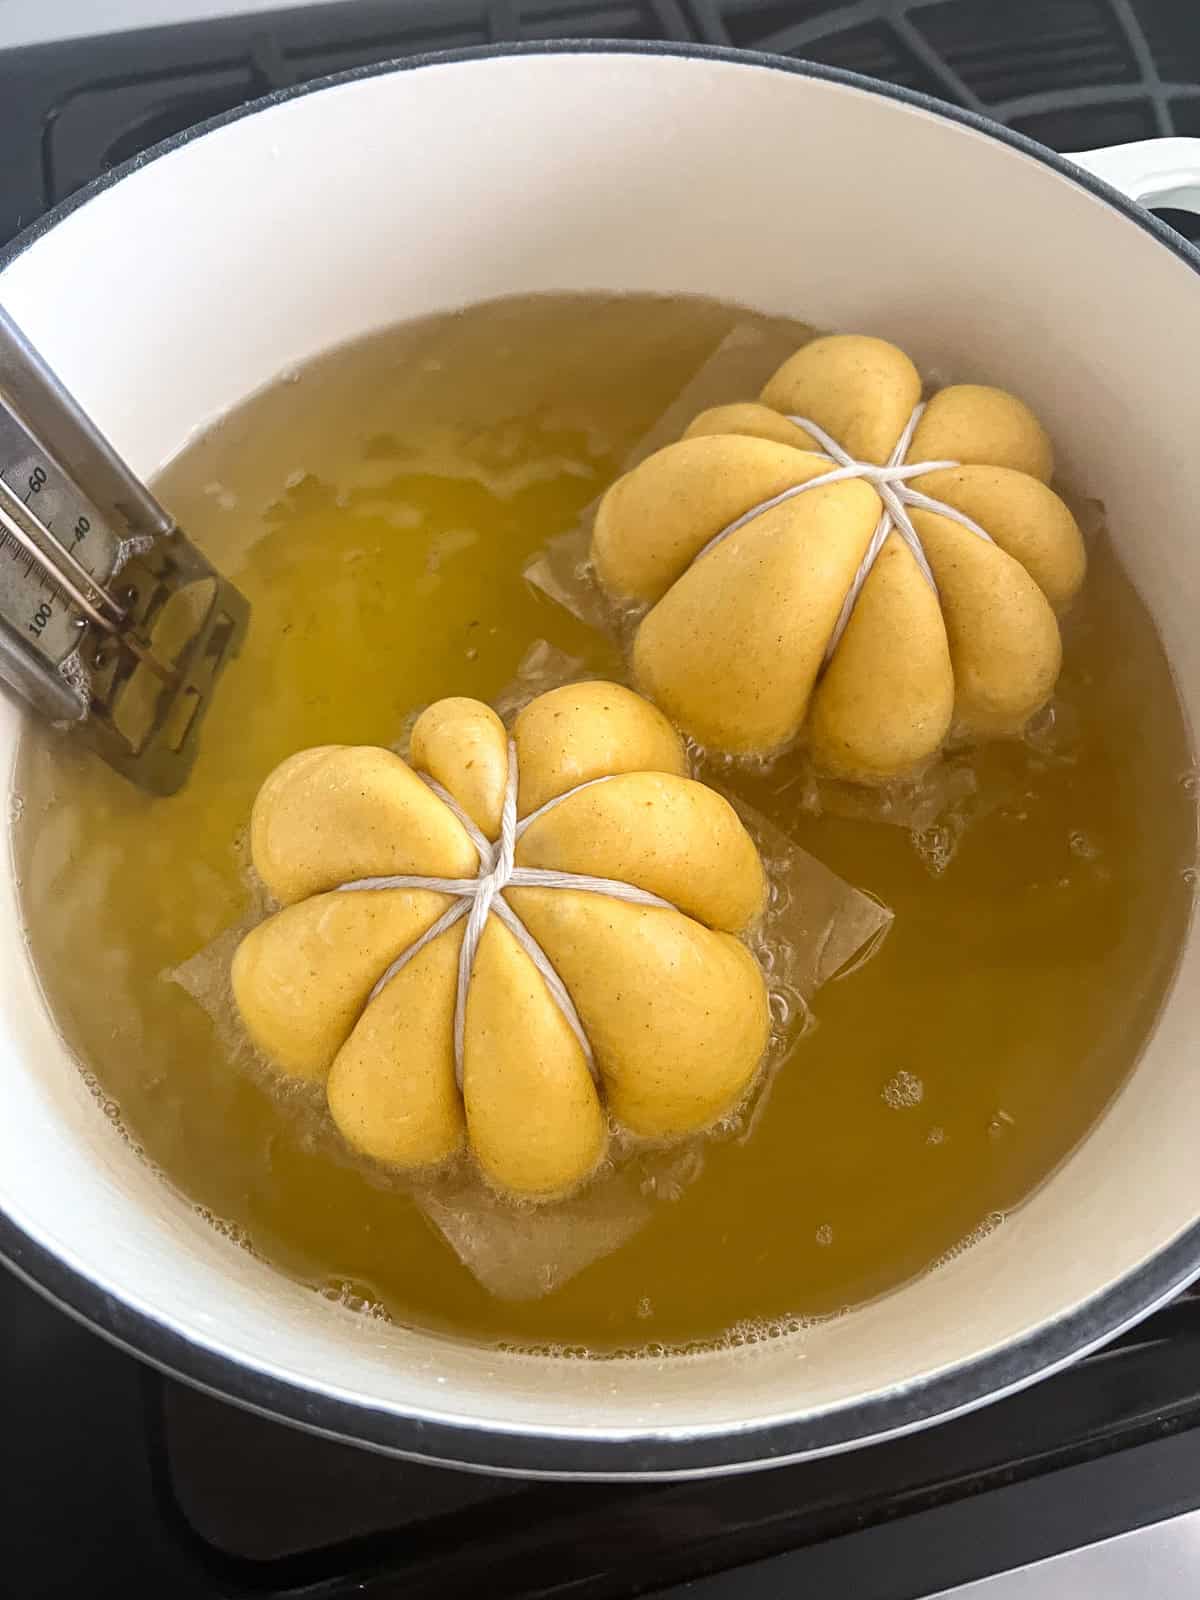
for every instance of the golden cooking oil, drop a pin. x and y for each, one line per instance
(376, 508)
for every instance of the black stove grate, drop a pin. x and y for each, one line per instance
(1073, 73)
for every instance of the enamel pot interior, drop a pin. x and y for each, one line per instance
(197, 276)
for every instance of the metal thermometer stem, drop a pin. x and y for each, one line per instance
(110, 619)
(55, 417)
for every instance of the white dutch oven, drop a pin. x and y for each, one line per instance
(174, 288)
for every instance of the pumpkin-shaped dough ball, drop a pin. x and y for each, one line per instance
(607, 980)
(804, 580)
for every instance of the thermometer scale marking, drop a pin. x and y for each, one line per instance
(32, 603)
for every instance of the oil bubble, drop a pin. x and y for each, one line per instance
(902, 1091)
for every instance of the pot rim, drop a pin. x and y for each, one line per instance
(626, 1454)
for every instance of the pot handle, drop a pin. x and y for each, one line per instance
(1154, 172)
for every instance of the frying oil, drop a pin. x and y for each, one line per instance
(377, 508)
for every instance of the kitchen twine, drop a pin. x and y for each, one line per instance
(889, 482)
(478, 897)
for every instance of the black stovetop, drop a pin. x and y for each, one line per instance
(1073, 73)
(117, 1481)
